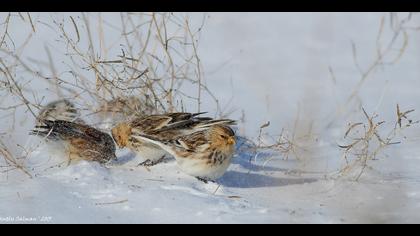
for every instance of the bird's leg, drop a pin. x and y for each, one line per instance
(159, 160)
(206, 181)
(69, 161)
(146, 163)
(151, 163)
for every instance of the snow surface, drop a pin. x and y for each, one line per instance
(277, 192)
(271, 66)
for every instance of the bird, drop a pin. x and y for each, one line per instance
(83, 142)
(127, 105)
(119, 109)
(205, 154)
(59, 110)
(160, 126)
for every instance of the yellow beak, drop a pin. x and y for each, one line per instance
(231, 141)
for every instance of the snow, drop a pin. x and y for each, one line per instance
(276, 191)
(90, 193)
(272, 66)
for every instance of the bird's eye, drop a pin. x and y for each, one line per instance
(223, 136)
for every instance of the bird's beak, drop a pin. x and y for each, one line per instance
(231, 141)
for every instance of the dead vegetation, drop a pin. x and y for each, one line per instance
(11, 163)
(157, 61)
(290, 143)
(154, 58)
(391, 43)
(367, 140)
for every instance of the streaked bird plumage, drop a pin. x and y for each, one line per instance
(121, 109)
(83, 142)
(162, 127)
(205, 154)
(59, 110)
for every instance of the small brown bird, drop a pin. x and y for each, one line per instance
(127, 106)
(121, 109)
(162, 127)
(205, 154)
(83, 142)
(59, 110)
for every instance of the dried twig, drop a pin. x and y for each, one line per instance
(366, 143)
(384, 54)
(156, 64)
(10, 160)
(111, 203)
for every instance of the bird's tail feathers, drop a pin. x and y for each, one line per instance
(207, 124)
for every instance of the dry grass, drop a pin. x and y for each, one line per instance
(366, 141)
(369, 139)
(155, 58)
(11, 162)
(159, 57)
(389, 50)
(294, 143)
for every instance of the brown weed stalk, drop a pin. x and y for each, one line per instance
(365, 142)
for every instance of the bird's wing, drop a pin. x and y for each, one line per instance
(184, 121)
(179, 116)
(68, 130)
(192, 143)
(159, 123)
(205, 124)
(150, 123)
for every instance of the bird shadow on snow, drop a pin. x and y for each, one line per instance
(124, 158)
(247, 157)
(245, 160)
(238, 179)
(255, 175)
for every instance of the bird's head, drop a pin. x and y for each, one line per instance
(222, 136)
(121, 134)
